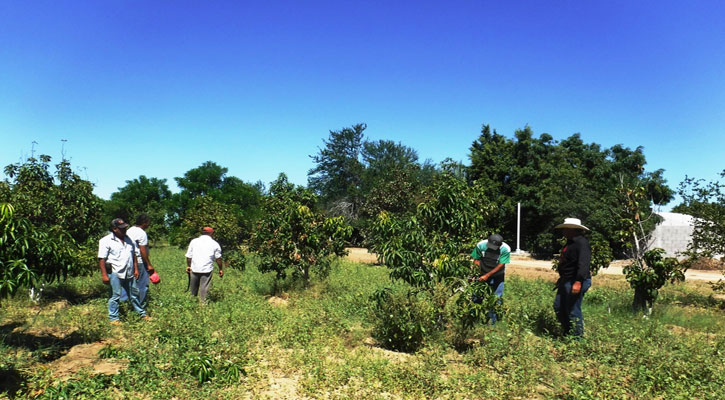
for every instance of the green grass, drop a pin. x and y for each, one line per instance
(241, 346)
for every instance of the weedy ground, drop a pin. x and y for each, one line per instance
(315, 343)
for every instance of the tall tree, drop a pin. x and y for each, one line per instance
(149, 196)
(338, 173)
(211, 180)
(554, 180)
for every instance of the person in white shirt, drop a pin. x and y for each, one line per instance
(200, 257)
(117, 250)
(140, 239)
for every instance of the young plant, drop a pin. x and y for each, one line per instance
(293, 236)
(431, 249)
(649, 271)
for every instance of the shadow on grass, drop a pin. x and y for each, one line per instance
(72, 295)
(44, 347)
(10, 381)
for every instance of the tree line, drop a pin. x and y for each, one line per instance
(354, 181)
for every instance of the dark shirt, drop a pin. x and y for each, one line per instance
(574, 261)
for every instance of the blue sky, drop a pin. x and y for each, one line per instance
(157, 88)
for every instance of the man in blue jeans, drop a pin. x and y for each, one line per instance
(490, 257)
(119, 269)
(574, 277)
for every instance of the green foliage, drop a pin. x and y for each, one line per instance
(337, 175)
(649, 270)
(649, 273)
(60, 201)
(434, 244)
(554, 180)
(293, 236)
(150, 196)
(30, 256)
(205, 211)
(210, 181)
(706, 202)
(49, 224)
(402, 320)
(430, 250)
(318, 345)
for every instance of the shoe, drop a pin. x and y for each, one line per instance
(115, 322)
(147, 318)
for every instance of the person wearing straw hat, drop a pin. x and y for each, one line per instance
(574, 277)
(491, 256)
(116, 252)
(200, 257)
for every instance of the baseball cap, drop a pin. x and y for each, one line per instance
(154, 278)
(494, 241)
(118, 223)
(207, 229)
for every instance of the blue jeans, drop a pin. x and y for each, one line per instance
(143, 286)
(497, 288)
(568, 307)
(117, 285)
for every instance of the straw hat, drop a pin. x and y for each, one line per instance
(574, 223)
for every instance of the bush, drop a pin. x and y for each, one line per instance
(401, 320)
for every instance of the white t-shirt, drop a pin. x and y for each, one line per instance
(139, 238)
(203, 251)
(118, 253)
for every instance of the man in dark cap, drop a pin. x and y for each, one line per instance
(118, 251)
(490, 258)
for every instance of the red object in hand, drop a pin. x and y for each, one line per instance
(154, 278)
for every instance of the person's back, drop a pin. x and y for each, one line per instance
(200, 257)
(203, 251)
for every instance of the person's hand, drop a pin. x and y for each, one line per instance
(135, 273)
(576, 287)
(221, 273)
(188, 270)
(483, 278)
(105, 279)
(150, 269)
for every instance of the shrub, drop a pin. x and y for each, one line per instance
(293, 236)
(402, 320)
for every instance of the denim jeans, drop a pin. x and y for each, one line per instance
(117, 285)
(142, 283)
(497, 288)
(568, 307)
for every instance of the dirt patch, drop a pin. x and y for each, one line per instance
(278, 301)
(85, 357)
(386, 354)
(361, 255)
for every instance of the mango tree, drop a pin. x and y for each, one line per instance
(649, 269)
(293, 237)
(30, 256)
(430, 251)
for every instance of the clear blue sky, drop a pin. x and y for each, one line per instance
(156, 88)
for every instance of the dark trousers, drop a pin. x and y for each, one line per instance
(568, 307)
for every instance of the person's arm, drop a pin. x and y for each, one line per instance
(135, 264)
(188, 265)
(104, 274)
(491, 273)
(582, 271)
(219, 263)
(143, 250)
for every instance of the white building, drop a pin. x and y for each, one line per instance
(674, 233)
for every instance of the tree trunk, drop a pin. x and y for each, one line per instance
(641, 302)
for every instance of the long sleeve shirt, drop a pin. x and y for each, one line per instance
(575, 259)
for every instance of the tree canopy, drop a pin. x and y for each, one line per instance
(554, 180)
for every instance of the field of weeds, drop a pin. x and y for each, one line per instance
(316, 342)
